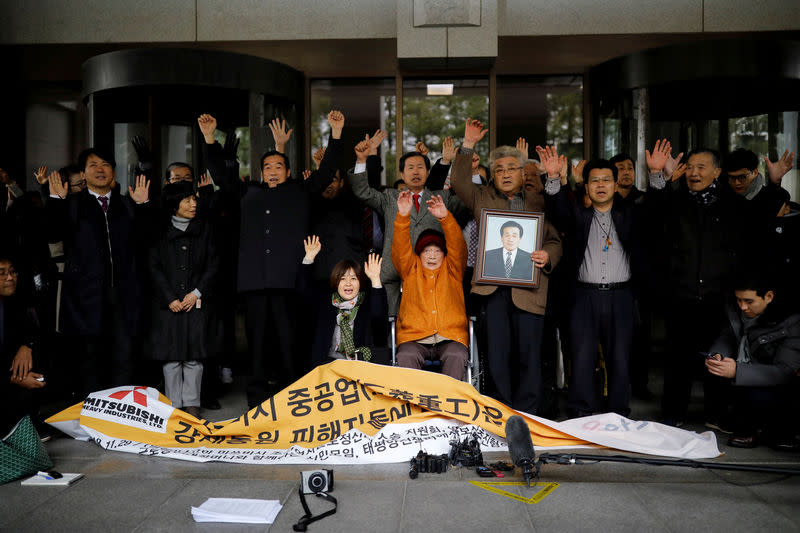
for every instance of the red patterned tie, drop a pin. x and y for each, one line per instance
(103, 203)
(416, 202)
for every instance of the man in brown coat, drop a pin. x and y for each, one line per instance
(514, 315)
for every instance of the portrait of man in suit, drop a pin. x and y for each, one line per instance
(509, 261)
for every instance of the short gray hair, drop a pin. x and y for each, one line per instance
(505, 151)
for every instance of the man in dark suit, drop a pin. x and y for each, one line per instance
(509, 261)
(103, 233)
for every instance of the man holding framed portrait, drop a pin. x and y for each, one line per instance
(513, 286)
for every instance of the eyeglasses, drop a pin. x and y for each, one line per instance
(5, 273)
(501, 171)
(738, 177)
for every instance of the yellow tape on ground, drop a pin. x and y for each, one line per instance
(491, 486)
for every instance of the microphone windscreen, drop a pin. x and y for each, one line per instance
(518, 437)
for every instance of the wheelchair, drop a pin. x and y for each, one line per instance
(474, 373)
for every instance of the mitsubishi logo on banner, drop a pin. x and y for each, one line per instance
(129, 406)
(138, 396)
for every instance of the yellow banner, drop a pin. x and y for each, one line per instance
(322, 406)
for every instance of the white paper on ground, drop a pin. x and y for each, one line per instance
(63, 481)
(237, 510)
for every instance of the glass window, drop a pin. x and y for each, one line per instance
(367, 104)
(124, 152)
(431, 118)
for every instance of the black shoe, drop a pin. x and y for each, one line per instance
(786, 444)
(751, 440)
(211, 404)
(719, 425)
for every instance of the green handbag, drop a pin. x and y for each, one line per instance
(22, 452)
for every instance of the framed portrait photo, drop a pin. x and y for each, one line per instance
(506, 241)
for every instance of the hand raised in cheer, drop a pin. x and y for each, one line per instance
(657, 160)
(336, 121)
(372, 268)
(473, 132)
(552, 163)
(449, 150)
(205, 181)
(404, 203)
(780, 167)
(312, 247)
(306, 174)
(362, 150)
(421, 148)
(40, 175)
(208, 125)
(671, 164)
(436, 207)
(57, 186)
(577, 171)
(317, 157)
(279, 134)
(522, 146)
(141, 194)
(375, 141)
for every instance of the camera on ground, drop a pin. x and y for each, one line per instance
(313, 481)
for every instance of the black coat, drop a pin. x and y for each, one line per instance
(705, 243)
(180, 262)
(339, 224)
(273, 221)
(91, 265)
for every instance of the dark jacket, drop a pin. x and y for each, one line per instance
(371, 325)
(273, 222)
(576, 220)
(774, 346)
(705, 243)
(101, 252)
(180, 262)
(338, 222)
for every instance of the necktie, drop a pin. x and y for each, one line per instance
(508, 264)
(103, 203)
(416, 202)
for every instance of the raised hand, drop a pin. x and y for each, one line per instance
(421, 148)
(317, 157)
(306, 174)
(375, 141)
(189, 301)
(57, 186)
(671, 165)
(362, 150)
(142, 152)
(436, 206)
(231, 149)
(279, 134)
(551, 161)
(522, 146)
(205, 181)
(312, 247)
(141, 193)
(336, 120)
(175, 306)
(577, 171)
(39, 174)
(657, 160)
(780, 167)
(678, 172)
(404, 203)
(448, 150)
(473, 132)
(372, 268)
(208, 125)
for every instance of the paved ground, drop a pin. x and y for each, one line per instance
(125, 493)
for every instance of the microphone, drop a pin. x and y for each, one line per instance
(520, 446)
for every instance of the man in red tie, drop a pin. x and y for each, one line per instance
(102, 232)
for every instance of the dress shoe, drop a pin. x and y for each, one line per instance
(193, 410)
(786, 444)
(744, 441)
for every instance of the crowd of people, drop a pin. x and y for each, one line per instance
(94, 283)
